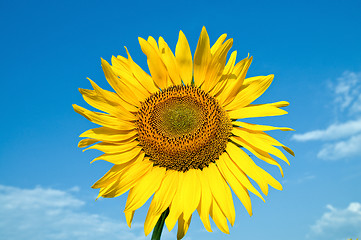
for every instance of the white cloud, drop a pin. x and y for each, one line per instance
(333, 132)
(51, 214)
(341, 149)
(343, 139)
(347, 91)
(337, 224)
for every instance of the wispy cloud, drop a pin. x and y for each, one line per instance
(347, 91)
(338, 223)
(341, 149)
(44, 213)
(343, 139)
(332, 132)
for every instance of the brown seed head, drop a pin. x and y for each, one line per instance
(182, 127)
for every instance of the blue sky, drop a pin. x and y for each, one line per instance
(48, 49)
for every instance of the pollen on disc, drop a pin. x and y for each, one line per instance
(182, 128)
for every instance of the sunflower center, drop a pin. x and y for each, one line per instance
(176, 116)
(183, 127)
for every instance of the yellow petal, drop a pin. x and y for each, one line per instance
(191, 191)
(250, 92)
(204, 206)
(86, 142)
(218, 43)
(236, 87)
(119, 158)
(109, 134)
(97, 101)
(110, 187)
(114, 100)
(261, 141)
(113, 174)
(184, 59)
(240, 66)
(234, 81)
(219, 219)
(110, 177)
(279, 104)
(257, 152)
(262, 136)
(129, 178)
(251, 111)
(152, 42)
(113, 148)
(129, 217)
(245, 163)
(202, 57)
(141, 76)
(216, 66)
(247, 166)
(236, 186)
(104, 119)
(288, 150)
(121, 69)
(121, 89)
(226, 76)
(177, 205)
(165, 194)
(169, 61)
(255, 127)
(228, 69)
(151, 219)
(144, 188)
(241, 176)
(221, 193)
(156, 66)
(249, 80)
(183, 225)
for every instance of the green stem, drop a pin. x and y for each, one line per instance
(157, 232)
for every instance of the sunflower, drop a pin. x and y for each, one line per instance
(178, 134)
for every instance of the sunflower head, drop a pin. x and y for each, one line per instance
(183, 128)
(178, 134)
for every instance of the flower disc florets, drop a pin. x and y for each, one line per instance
(182, 127)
